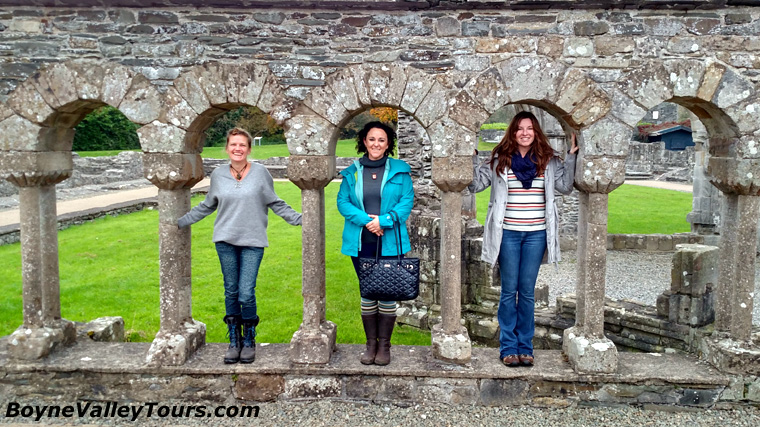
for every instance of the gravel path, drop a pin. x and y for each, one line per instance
(632, 275)
(334, 413)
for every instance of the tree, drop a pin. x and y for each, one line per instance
(105, 129)
(385, 114)
(255, 121)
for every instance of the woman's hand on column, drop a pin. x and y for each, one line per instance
(574, 146)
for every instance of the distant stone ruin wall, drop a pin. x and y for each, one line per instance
(653, 159)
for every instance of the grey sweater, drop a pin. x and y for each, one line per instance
(243, 212)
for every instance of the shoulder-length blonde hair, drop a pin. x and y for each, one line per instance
(540, 151)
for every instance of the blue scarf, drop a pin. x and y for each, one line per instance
(524, 168)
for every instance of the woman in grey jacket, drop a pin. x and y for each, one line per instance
(242, 193)
(522, 224)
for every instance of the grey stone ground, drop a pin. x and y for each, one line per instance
(333, 413)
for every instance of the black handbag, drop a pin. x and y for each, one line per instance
(390, 279)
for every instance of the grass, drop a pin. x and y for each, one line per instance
(641, 210)
(109, 267)
(633, 209)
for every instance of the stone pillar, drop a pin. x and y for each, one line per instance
(179, 335)
(585, 345)
(596, 175)
(737, 266)
(314, 341)
(733, 348)
(450, 339)
(706, 199)
(36, 173)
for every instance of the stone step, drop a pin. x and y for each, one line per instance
(118, 371)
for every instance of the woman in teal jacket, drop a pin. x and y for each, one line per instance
(372, 187)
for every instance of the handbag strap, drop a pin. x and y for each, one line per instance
(397, 233)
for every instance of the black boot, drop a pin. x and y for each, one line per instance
(236, 339)
(385, 324)
(248, 353)
(370, 331)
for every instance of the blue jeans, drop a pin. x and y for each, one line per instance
(240, 266)
(520, 257)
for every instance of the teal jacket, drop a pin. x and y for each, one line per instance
(397, 194)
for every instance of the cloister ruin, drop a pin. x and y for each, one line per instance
(174, 67)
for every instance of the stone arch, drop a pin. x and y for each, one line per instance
(313, 128)
(55, 99)
(203, 93)
(727, 104)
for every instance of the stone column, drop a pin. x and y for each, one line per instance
(314, 341)
(738, 245)
(450, 339)
(584, 344)
(179, 335)
(732, 347)
(36, 173)
(706, 199)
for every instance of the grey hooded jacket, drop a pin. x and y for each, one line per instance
(557, 177)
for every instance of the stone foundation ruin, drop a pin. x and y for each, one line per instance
(597, 67)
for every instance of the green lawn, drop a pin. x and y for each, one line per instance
(633, 210)
(110, 268)
(344, 148)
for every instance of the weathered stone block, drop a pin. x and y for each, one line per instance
(589, 355)
(503, 392)
(158, 137)
(452, 174)
(142, 104)
(455, 348)
(189, 86)
(311, 172)
(313, 346)
(32, 343)
(607, 137)
(177, 111)
(650, 85)
(467, 112)
(418, 84)
(173, 348)
(22, 166)
(312, 387)
(363, 387)
(259, 387)
(448, 390)
(28, 103)
(173, 171)
(599, 174)
(735, 176)
(325, 102)
(449, 138)
(732, 89)
(309, 135)
(712, 78)
(685, 76)
(523, 72)
(103, 329)
(433, 106)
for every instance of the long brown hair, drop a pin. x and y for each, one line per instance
(540, 151)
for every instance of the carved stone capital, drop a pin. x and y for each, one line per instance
(452, 174)
(599, 174)
(311, 172)
(35, 169)
(735, 175)
(173, 171)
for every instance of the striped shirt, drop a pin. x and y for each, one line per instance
(526, 208)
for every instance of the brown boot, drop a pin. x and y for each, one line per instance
(370, 331)
(385, 324)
